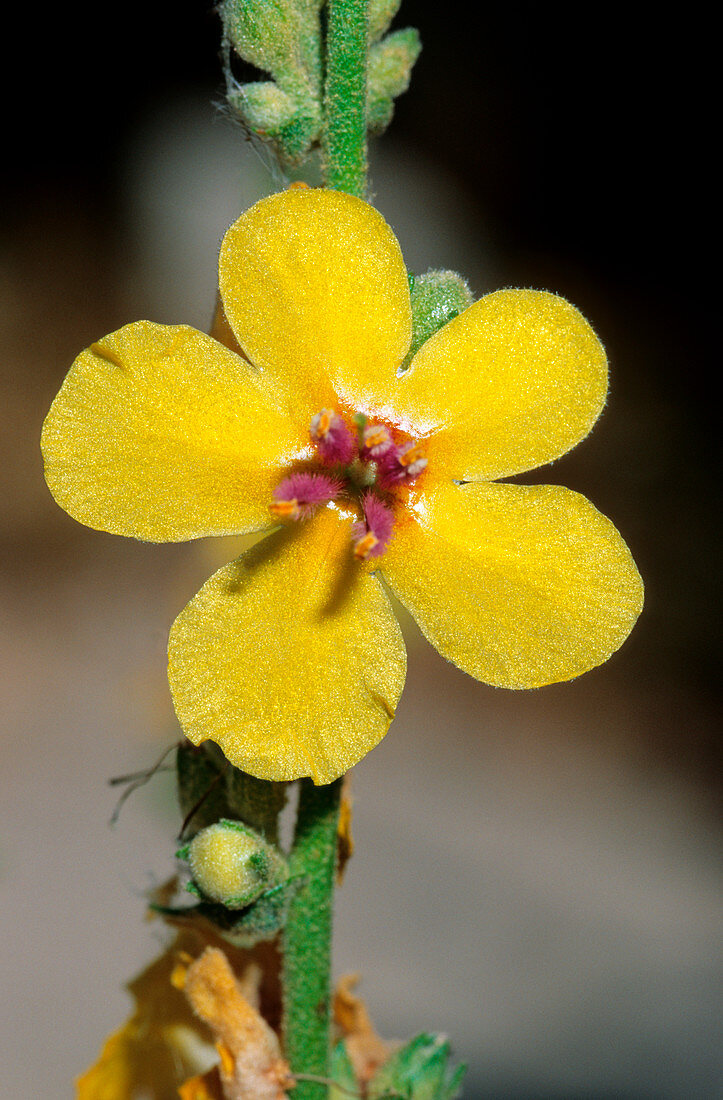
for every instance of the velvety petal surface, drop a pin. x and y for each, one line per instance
(510, 384)
(161, 433)
(518, 585)
(315, 288)
(290, 658)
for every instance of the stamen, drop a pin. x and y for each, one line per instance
(403, 463)
(371, 538)
(363, 548)
(410, 454)
(377, 440)
(334, 441)
(298, 495)
(285, 509)
(321, 423)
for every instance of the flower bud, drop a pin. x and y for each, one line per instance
(233, 865)
(380, 15)
(390, 69)
(282, 38)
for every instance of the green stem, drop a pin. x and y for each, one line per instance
(306, 975)
(344, 139)
(306, 967)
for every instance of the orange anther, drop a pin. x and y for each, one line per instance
(285, 509)
(365, 545)
(412, 454)
(375, 435)
(227, 1061)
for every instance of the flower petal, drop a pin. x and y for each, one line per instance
(315, 288)
(161, 433)
(518, 585)
(289, 658)
(513, 382)
(158, 1046)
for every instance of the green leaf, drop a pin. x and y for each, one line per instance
(342, 1074)
(420, 1070)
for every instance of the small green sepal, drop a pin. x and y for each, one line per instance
(437, 298)
(210, 789)
(261, 921)
(200, 774)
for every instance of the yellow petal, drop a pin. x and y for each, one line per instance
(205, 1086)
(159, 1045)
(289, 658)
(315, 288)
(513, 382)
(162, 433)
(518, 585)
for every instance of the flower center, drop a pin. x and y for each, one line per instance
(369, 465)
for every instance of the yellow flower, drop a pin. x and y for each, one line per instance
(290, 657)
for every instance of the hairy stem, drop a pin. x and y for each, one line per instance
(345, 97)
(306, 975)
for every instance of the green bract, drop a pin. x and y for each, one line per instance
(419, 1071)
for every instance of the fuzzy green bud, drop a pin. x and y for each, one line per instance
(380, 15)
(283, 38)
(389, 73)
(262, 31)
(266, 108)
(232, 864)
(437, 298)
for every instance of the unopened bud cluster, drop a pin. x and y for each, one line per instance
(284, 39)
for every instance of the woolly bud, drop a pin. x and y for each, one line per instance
(390, 69)
(280, 37)
(233, 865)
(379, 16)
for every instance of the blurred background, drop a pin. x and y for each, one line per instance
(536, 874)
